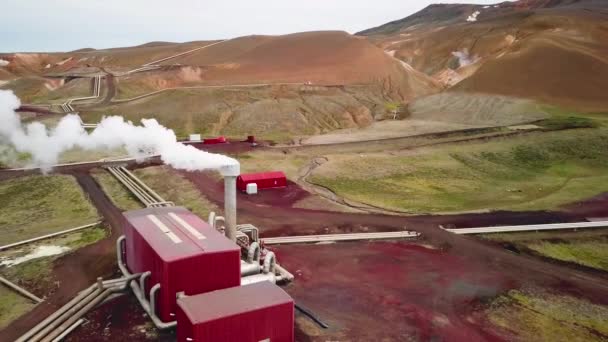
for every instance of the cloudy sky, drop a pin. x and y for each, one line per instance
(62, 25)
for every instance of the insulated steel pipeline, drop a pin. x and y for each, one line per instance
(312, 316)
(63, 319)
(144, 193)
(283, 240)
(138, 289)
(230, 173)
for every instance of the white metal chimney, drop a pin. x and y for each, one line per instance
(230, 172)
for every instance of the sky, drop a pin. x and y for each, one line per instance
(64, 25)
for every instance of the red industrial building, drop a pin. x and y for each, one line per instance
(182, 252)
(212, 141)
(264, 180)
(256, 312)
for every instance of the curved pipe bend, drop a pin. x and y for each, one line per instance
(139, 292)
(253, 253)
(269, 262)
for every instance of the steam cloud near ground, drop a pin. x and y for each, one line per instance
(150, 138)
(464, 57)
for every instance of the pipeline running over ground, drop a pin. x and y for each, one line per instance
(312, 316)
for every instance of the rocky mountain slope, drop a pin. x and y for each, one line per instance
(304, 83)
(549, 50)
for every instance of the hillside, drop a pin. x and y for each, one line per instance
(548, 50)
(327, 58)
(320, 58)
(274, 86)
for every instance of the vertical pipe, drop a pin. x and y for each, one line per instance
(230, 206)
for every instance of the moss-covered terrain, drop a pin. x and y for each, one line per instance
(120, 196)
(35, 275)
(542, 316)
(36, 205)
(528, 172)
(587, 248)
(172, 187)
(590, 253)
(12, 305)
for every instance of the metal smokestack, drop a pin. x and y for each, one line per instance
(230, 172)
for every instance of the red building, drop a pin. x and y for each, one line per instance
(264, 180)
(251, 313)
(212, 141)
(182, 252)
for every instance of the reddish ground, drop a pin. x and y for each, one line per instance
(363, 290)
(355, 288)
(277, 220)
(389, 291)
(324, 57)
(120, 319)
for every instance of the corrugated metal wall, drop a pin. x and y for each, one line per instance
(274, 322)
(195, 274)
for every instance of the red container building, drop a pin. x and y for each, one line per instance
(211, 141)
(264, 180)
(251, 313)
(182, 252)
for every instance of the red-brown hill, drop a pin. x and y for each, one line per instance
(329, 58)
(549, 50)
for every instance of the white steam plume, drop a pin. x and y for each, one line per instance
(3, 62)
(45, 145)
(473, 16)
(464, 58)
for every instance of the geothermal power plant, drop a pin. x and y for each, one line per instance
(213, 282)
(438, 177)
(210, 280)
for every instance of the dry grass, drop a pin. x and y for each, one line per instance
(120, 196)
(12, 305)
(584, 247)
(540, 316)
(590, 253)
(265, 160)
(11, 158)
(35, 90)
(78, 155)
(386, 129)
(36, 275)
(37, 205)
(539, 171)
(173, 187)
(475, 109)
(277, 113)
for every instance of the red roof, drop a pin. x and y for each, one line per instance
(248, 177)
(176, 233)
(235, 300)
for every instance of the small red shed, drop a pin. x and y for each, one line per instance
(251, 313)
(264, 180)
(182, 252)
(212, 141)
